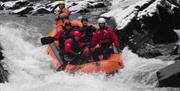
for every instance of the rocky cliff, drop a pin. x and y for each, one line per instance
(148, 22)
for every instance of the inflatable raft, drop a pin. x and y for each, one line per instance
(112, 64)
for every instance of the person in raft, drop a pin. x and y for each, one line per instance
(105, 37)
(86, 30)
(62, 16)
(73, 48)
(63, 35)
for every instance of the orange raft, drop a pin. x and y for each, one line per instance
(112, 64)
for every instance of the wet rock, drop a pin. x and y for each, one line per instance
(145, 21)
(30, 4)
(50, 7)
(74, 7)
(149, 51)
(41, 10)
(1, 6)
(15, 4)
(79, 7)
(1, 54)
(84, 6)
(158, 19)
(175, 50)
(52, 4)
(175, 2)
(83, 11)
(22, 11)
(169, 76)
(96, 5)
(3, 74)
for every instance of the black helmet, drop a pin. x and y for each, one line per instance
(84, 19)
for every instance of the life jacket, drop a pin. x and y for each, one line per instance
(71, 45)
(75, 46)
(105, 36)
(87, 33)
(60, 22)
(62, 36)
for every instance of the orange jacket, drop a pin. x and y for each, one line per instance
(62, 18)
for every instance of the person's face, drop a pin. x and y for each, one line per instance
(61, 6)
(68, 27)
(102, 25)
(76, 28)
(85, 23)
(76, 38)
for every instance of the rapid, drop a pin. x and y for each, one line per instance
(31, 69)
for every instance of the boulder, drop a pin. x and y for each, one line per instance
(84, 6)
(22, 11)
(96, 5)
(74, 7)
(149, 51)
(1, 6)
(52, 6)
(175, 2)
(3, 74)
(41, 10)
(147, 22)
(169, 76)
(12, 5)
(79, 7)
(1, 54)
(25, 6)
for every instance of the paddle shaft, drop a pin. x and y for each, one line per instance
(56, 53)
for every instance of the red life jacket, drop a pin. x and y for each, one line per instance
(71, 45)
(105, 36)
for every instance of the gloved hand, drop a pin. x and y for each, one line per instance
(76, 54)
(119, 50)
(61, 17)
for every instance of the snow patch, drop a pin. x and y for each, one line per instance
(124, 16)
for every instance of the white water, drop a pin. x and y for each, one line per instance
(31, 68)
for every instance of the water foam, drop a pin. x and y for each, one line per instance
(30, 67)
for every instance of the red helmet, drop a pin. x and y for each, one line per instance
(76, 33)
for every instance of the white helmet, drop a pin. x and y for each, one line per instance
(101, 20)
(61, 2)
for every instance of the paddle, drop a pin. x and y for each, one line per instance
(50, 40)
(47, 40)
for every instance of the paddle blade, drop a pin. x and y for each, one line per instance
(47, 40)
